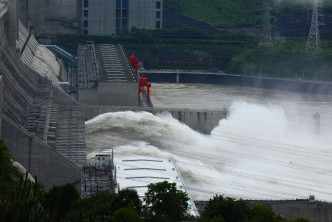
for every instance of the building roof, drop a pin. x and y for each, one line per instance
(137, 172)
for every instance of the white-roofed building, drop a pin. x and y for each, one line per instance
(137, 172)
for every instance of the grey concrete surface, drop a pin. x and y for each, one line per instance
(300, 208)
(316, 211)
(3, 20)
(41, 160)
(30, 123)
(142, 14)
(56, 16)
(111, 93)
(101, 18)
(13, 19)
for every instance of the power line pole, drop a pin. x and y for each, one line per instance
(266, 34)
(313, 41)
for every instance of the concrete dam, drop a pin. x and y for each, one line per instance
(45, 128)
(41, 124)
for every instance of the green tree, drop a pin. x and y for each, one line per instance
(300, 220)
(59, 199)
(165, 203)
(262, 213)
(128, 198)
(103, 204)
(19, 197)
(228, 208)
(81, 210)
(126, 215)
(217, 219)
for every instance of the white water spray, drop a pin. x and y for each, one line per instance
(258, 152)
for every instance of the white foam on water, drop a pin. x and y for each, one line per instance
(258, 152)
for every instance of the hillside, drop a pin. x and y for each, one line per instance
(218, 12)
(228, 13)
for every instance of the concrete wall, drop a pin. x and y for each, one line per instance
(142, 14)
(101, 17)
(300, 208)
(3, 19)
(200, 120)
(27, 98)
(63, 99)
(317, 211)
(111, 93)
(37, 12)
(56, 16)
(291, 85)
(13, 21)
(38, 158)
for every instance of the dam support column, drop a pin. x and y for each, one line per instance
(13, 18)
(178, 76)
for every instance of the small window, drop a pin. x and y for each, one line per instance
(86, 3)
(158, 14)
(86, 13)
(86, 24)
(158, 24)
(85, 32)
(158, 5)
(124, 3)
(124, 13)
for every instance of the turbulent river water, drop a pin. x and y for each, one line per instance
(269, 147)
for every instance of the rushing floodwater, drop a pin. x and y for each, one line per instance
(269, 147)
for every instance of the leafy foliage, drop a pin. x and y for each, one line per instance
(128, 198)
(225, 209)
(228, 209)
(59, 200)
(165, 202)
(262, 213)
(19, 197)
(126, 215)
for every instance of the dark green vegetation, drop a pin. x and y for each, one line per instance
(23, 200)
(187, 48)
(19, 197)
(221, 209)
(219, 12)
(225, 13)
(167, 203)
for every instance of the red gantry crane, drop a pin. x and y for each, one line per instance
(143, 82)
